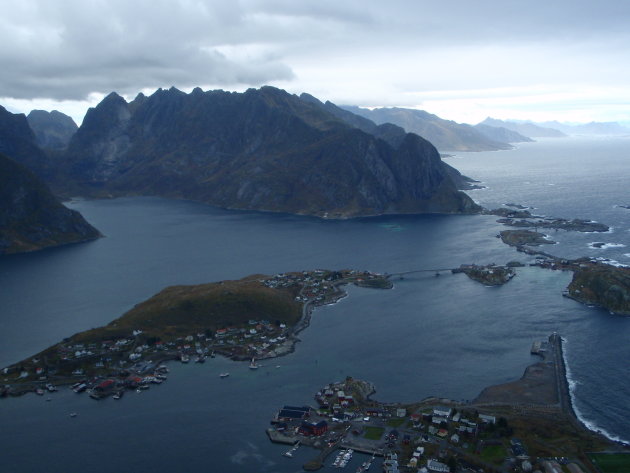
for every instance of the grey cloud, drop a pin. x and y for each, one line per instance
(69, 49)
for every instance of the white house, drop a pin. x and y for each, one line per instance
(442, 411)
(434, 465)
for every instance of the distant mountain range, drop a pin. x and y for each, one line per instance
(593, 128)
(501, 134)
(524, 128)
(554, 129)
(445, 135)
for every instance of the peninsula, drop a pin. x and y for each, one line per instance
(256, 317)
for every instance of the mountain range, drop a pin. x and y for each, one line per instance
(263, 149)
(592, 128)
(446, 135)
(528, 129)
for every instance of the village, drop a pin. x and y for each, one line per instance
(108, 366)
(434, 435)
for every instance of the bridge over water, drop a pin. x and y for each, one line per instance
(414, 271)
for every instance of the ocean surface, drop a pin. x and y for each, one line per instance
(446, 336)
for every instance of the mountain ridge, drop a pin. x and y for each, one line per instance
(446, 135)
(528, 129)
(263, 149)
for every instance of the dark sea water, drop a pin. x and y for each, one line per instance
(446, 336)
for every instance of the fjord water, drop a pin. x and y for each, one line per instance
(445, 336)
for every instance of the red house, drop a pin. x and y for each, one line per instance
(313, 429)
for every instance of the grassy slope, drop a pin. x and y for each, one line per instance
(185, 310)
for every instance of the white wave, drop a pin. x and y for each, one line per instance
(611, 262)
(627, 255)
(572, 382)
(598, 245)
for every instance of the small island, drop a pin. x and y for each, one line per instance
(254, 318)
(520, 238)
(518, 426)
(602, 285)
(488, 275)
(519, 216)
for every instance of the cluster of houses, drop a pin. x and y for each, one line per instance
(411, 442)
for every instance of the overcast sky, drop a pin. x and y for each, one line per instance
(461, 59)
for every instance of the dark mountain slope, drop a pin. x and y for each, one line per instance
(18, 141)
(31, 218)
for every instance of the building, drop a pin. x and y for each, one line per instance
(488, 419)
(434, 465)
(313, 429)
(442, 411)
(291, 413)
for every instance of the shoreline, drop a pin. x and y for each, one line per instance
(579, 417)
(529, 424)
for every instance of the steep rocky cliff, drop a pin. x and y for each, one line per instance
(31, 218)
(263, 149)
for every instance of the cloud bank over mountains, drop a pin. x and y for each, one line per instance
(569, 56)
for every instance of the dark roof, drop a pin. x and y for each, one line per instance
(293, 408)
(291, 414)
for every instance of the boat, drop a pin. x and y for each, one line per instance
(224, 375)
(253, 365)
(73, 414)
(184, 358)
(289, 453)
(343, 457)
(118, 395)
(200, 359)
(212, 355)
